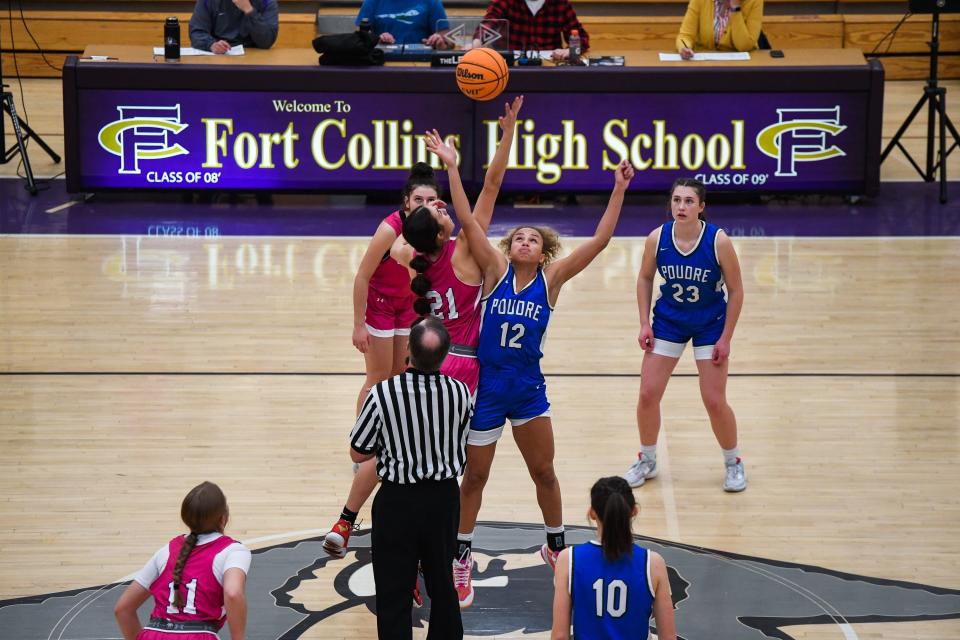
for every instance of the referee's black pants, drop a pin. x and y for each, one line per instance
(416, 523)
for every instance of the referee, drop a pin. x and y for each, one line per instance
(416, 424)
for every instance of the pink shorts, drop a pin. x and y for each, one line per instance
(156, 634)
(389, 316)
(463, 368)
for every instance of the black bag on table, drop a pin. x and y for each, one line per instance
(357, 49)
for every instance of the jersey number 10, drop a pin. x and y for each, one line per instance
(615, 602)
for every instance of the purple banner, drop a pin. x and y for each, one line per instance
(734, 141)
(565, 142)
(251, 140)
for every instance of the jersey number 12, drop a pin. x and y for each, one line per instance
(518, 331)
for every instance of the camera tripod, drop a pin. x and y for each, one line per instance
(22, 132)
(935, 97)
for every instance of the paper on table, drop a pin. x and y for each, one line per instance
(190, 51)
(724, 55)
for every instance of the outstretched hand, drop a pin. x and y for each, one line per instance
(509, 118)
(441, 149)
(624, 174)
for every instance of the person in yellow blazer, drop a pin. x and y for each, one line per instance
(720, 25)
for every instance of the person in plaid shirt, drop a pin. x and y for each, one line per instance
(539, 25)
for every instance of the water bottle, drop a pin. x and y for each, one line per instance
(365, 26)
(171, 39)
(574, 42)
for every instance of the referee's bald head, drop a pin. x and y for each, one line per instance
(429, 344)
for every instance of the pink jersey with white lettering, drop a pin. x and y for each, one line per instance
(390, 278)
(455, 302)
(200, 590)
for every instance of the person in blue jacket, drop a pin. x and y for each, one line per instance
(405, 21)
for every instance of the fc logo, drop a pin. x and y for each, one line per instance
(801, 136)
(142, 133)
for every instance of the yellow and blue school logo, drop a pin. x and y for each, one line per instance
(142, 133)
(801, 135)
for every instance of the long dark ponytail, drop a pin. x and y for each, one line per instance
(612, 500)
(420, 230)
(202, 510)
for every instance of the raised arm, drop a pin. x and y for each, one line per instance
(565, 268)
(730, 268)
(648, 270)
(264, 25)
(745, 25)
(493, 179)
(487, 258)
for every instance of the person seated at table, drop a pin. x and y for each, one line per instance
(539, 25)
(217, 25)
(720, 25)
(405, 21)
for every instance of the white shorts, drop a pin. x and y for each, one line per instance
(675, 349)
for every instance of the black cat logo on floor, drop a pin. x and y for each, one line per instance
(717, 595)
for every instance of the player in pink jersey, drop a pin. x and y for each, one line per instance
(455, 298)
(197, 581)
(449, 281)
(382, 315)
(382, 301)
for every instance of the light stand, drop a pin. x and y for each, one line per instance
(22, 131)
(935, 97)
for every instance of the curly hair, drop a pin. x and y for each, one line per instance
(551, 241)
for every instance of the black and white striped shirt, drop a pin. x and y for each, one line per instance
(417, 423)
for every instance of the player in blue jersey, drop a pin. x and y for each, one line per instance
(610, 588)
(521, 285)
(699, 300)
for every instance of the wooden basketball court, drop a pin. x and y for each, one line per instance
(134, 367)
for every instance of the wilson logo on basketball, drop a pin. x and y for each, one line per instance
(463, 73)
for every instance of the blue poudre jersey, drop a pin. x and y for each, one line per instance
(693, 294)
(514, 324)
(611, 600)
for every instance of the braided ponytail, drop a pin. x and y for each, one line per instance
(185, 550)
(203, 510)
(420, 285)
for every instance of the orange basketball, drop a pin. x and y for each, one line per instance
(482, 74)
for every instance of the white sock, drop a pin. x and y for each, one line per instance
(649, 452)
(730, 456)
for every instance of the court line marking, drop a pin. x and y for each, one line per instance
(333, 374)
(61, 207)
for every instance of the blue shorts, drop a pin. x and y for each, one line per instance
(503, 395)
(680, 333)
